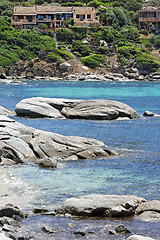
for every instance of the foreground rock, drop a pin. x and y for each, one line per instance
(98, 109)
(5, 112)
(20, 143)
(101, 205)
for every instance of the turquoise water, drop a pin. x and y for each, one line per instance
(134, 171)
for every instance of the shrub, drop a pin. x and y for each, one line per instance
(93, 61)
(103, 50)
(53, 57)
(83, 49)
(65, 35)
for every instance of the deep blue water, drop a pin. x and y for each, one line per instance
(134, 171)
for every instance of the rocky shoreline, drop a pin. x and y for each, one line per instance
(90, 206)
(23, 144)
(130, 74)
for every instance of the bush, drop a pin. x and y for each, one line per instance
(53, 57)
(93, 61)
(103, 50)
(83, 49)
(65, 35)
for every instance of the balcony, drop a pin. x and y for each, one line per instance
(43, 20)
(22, 21)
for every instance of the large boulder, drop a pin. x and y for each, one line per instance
(101, 205)
(21, 143)
(99, 109)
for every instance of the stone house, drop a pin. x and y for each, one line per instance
(52, 16)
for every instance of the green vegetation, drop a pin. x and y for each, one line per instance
(93, 61)
(117, 34)
(26, 45)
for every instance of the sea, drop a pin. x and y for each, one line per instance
(135, 171)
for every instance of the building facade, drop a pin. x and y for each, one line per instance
(52, 16)
(150, 19)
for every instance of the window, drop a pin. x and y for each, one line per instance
(29, 18)
(77, 16)
(88, 16)
(28, 26)
(40, 17)
(49, 17)
(20, 17)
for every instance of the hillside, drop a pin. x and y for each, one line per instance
(111, 46)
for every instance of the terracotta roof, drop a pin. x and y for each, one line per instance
(50, 9)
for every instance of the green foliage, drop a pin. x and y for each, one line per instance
(83, 49)
(65, 35)
(93, 61)
(27, 44)
(141, 56)
(6, 10)
(103, 50)
(53, 57)
(157, 42)
(70, 4)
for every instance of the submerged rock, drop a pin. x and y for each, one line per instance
(99, 109)
(101, 205)
(20, 143)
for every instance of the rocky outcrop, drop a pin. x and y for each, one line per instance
(5, 112)
(20, 143)
(150, 114)
(101, 205)
(99, 109)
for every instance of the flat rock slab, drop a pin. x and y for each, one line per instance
(98, 109)
(20, 143)
(101, 205)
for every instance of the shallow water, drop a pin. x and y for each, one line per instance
(134, 171)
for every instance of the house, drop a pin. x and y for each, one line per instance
(52, 16)
(149, 18)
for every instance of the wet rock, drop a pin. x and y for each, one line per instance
(11, 211)
(150, 216)
(149, 206)
(40, 210)
(98, 109)
(139, 237)
(48, 229)
(149, 114)
(9, 221)
(101, 205)
(9, 228)
(121, 230)
(79, 232)
(47, 163)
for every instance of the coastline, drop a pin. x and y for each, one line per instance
(87, 76)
